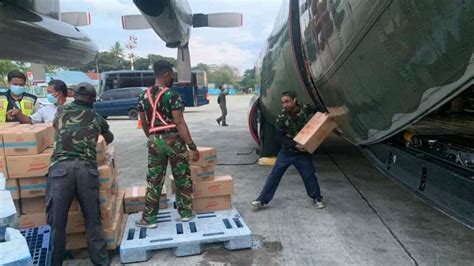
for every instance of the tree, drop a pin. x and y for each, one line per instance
(223, 74)
(201, 67)
(154, 57)
(117, 50)
(142, 63)
(5, 67)
(248, 80)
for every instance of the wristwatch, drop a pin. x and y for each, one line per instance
(192, 146)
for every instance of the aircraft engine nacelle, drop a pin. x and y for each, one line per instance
(171, 20)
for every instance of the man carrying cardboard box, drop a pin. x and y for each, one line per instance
(161, 113)
(289, 122)
(73, 173)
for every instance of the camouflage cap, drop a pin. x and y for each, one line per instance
(86, 89)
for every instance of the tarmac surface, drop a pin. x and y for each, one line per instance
(368, 219)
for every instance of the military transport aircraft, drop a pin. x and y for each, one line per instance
(396, 76)
(36, 31)
(172, 20)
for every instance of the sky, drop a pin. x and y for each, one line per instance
(239, 47)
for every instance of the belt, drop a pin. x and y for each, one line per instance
(165, 132)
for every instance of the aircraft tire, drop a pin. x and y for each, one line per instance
(269, 144)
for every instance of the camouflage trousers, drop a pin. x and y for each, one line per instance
(161, 149)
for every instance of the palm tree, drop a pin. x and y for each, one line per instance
(117, 50)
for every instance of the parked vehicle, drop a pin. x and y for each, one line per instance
(119, 102)
(193, 94)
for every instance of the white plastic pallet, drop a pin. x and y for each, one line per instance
(186, 238)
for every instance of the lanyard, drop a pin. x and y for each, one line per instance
(155, 113)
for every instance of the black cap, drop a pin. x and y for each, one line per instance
(290, 94)
(86, 89)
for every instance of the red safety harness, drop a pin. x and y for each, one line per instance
(156, 113)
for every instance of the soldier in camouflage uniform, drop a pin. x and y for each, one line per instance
(73, 173)
(289, 122)
(167, 140)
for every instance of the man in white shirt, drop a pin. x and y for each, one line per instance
(57, 93)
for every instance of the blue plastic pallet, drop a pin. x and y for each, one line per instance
(38, 240)
(186, 238)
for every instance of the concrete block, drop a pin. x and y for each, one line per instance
(14, 251)
(8, 214)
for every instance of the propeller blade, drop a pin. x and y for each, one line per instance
(218, 20)
(77, 19)
(135, 22)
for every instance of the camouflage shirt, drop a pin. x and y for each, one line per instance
(170, 101)
(77, 128)
(288, 126)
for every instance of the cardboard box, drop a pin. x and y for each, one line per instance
(120, 200)
(32, 220)
(109, 212)
(135, 199)
(101, 149)
(113, 244)
(315, 131)
(220, 186)
(212, 203)
(107, 175)
(33, 205)
(75, 206)
(49, 127)
(32, 187)
(38, 205)
(75, 223)
(12, 186)
(110, 154)
(3, 166)
(105, 197)
(199, 173)
(25, 140)
(115, 186)
(4, 128)
(29, 165)
(76, 241)
(8, 124)
(207, 157)
(112, 236)
(115, 183)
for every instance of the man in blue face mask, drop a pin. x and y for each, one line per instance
(57, 93)
(16, 98)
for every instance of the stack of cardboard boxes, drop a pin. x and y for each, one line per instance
(210, 192)
(25, 158)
